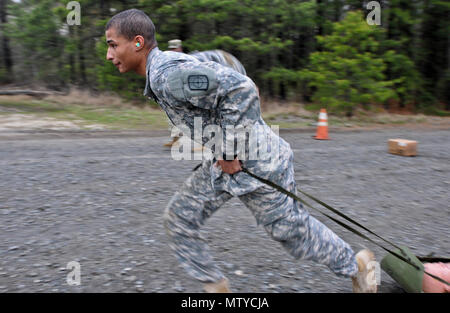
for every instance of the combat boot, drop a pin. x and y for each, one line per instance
(218, 287)
(364, 281)
(173, 142)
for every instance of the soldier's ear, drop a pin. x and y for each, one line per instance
(139, 42)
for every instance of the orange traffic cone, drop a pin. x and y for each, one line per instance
(322, 126)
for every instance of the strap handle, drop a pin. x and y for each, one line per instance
(295, 197)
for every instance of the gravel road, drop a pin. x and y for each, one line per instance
(99, 200)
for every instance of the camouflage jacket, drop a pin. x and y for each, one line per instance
(221, 57)
(193, 92)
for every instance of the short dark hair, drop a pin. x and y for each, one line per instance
(133, 22)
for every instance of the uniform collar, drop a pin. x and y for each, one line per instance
(148, 91)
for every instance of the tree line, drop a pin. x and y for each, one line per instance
(322, 52)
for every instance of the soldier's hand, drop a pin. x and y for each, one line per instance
(230, 167)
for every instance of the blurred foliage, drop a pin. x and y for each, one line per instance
(322, 52)
(350, 69)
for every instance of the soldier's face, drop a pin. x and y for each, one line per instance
(121, 51)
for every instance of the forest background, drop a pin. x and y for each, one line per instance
(323, 53)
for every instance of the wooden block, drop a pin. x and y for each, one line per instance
(402, 147)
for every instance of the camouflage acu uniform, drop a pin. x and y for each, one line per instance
(221, 57)
(230, 99)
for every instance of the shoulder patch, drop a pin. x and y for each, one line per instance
(198, 82)
(185, 84)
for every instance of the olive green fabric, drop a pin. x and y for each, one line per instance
(406, 275)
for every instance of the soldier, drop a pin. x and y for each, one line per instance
(188, 89)
(175, 45)
(221, 57)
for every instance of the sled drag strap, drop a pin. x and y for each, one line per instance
(404, 258)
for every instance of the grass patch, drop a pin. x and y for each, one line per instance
(113, 114)
(110, 117)
(436, 112)
(31, 107)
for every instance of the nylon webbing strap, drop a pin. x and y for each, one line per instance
(295, 197)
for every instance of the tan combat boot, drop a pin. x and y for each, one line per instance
(218, 287)
(364, 281)
(173, 142)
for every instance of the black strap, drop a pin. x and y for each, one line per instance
(429, 259)
(295, 197)
(197, 167)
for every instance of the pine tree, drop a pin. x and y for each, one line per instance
(6, 76)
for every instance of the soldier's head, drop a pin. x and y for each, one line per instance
(175, 45)
(130, 35)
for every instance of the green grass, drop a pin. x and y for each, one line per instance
(111, 117)
(130, 117)
(436, 112)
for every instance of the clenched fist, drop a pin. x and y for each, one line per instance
(230, 167)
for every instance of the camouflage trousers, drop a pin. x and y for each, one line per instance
(303, 236)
